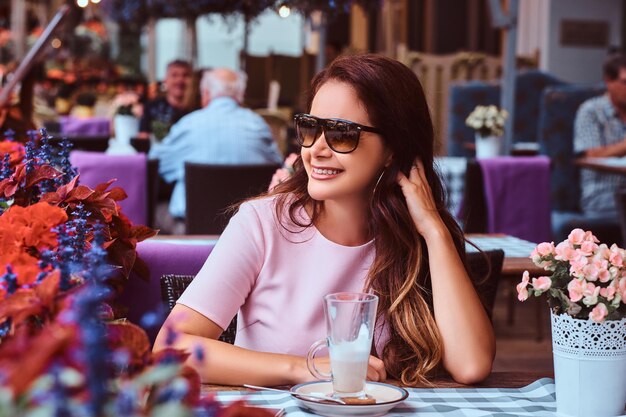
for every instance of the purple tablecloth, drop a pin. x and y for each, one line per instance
(92, 126)
(517, 190)
(129, 170)
(141, 296)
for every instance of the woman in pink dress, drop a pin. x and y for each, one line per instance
(363, 211)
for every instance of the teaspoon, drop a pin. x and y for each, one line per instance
(298, 394)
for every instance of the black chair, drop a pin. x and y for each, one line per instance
(212, 189)
(83, 143)
(172, 286)
(485, 270)
(152, 180)
(141, 145)
(473, 212)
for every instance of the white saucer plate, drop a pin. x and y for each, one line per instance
(387, 396)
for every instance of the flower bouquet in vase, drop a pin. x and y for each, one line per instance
(128, 110)
(586, 289)
(488, 123)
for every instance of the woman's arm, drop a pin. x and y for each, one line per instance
(225, 364)
(467, 333)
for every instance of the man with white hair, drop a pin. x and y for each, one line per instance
(222, 132)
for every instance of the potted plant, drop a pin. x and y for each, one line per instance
(488, 123)
(586, 289)
(62, 351)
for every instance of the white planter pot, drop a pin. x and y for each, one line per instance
(125, 128)
(488, 146)
(589, 366)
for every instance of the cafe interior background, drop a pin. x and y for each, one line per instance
(526, 56)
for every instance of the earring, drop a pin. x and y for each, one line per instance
(378, 181)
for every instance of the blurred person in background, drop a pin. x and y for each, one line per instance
(161, 113)
(599, 132)
(222, 132)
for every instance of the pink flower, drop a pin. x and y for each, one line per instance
(522, 291)
(587, 248)
(586, 276)
(575, 289)
(565, 252)
(602, 252)
(608, 292)
(576, 236)
(590, 237)
(542, 283)
(615, 256)
(621, 288)
(545, 249)
(601, 263)
(591, 272)
(590, 293)
(604, 275)
(598, 313)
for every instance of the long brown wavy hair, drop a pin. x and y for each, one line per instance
(400, 274)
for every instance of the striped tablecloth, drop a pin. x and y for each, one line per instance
(536, 399)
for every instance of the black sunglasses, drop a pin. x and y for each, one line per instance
(342, 136)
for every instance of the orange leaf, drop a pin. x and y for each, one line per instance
(79, 193)
(142, 233)
(130, 337)
(20, 305)
(193, 378)
(49, 343)
(40, 173)
(117, 194)
(61, 193)
(48, 288)
(100, 188)
(124, 254)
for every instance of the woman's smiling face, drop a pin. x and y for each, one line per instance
(337, 176)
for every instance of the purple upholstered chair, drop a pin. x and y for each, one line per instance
(144, 296)
(92, 126)
(129, 170)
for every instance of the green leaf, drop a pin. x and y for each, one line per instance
(172, 409)
(158, 374)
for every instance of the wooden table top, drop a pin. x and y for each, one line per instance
(608, 165)
(495, 380)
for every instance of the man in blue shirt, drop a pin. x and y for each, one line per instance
(222, 132)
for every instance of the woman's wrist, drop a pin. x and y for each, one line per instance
(435, 232)
(298, 371)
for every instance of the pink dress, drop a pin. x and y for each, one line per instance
(274, 279)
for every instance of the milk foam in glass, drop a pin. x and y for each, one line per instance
(350, 320)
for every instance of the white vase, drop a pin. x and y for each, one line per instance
(487, 146)
(589, 366)
(125, 128)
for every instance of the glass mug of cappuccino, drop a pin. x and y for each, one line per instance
(350, 319)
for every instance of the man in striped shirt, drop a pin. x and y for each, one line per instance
(600, 131)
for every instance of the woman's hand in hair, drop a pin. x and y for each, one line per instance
(419, 199)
